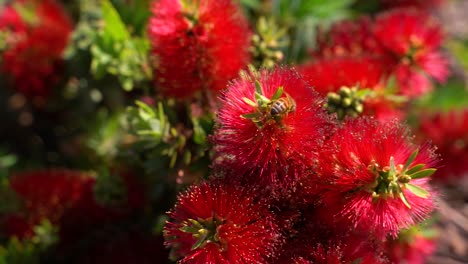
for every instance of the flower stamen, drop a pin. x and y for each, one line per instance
(204, 230)
(393, 179)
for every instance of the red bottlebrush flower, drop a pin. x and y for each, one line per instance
(218, 222)
(348, 38)
(413, 38)
(105, 202)
(118, 246)
(417, 252)
(270, 127)
(120, 189)
(344, 252)
(45, 194)
(420, 4)
(197, 44)
(37, 34)
(449, 132)
(67, 199)
(374, 178)
(402, 31)
(413, 246)
(405, 40)
(411, 82)
(434, 64)
(328, 75)
(383, 109)
(360, 72)
(325, 245)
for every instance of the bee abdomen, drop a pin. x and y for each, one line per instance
(279, 107)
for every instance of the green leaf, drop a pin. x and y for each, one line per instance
(199, 135)
(249, 102)
(145, 115)
(262, 100)
(410, 159)
(258, 88)
(127, 84)
(200, 241)
(251, 116)
(277, 93)
(362, 93)
(254, 4)
(312, 8)
(155, 126)
(26, 12)
(415, 168)
(422, 173)
(403, 197)
(399, 99)
(173, 160)
(134, 13)
(114, 28)
(460, 51)
(418, 191)
(174, 132)
(429, 233)
(392, 84)
(392, 166)
(7, 161)
(187, 157)
(161, 115)
(451, 95)
(145, 107)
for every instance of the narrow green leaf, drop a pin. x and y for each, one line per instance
(362, 93)
(422, 173)
(173, 160)
(188, 229)
(187, 157)
(399, 99)
(392, 166)
(150, 133)
(145, 115)
(418, 191)
(199, 135)
(173, 132)
(161, 116)
(253, 71)
(392, 84)
(155, 125)
(7, 161)
(251, 116)
(410, 159)
(199, 242)
(429, 233)
(127, 84)
(415, 168)
(254, 4)
(403, 197)
(26, 12)
(145, 107)
(278, 93)
(258, 88)
(261, 99)
(459, 48)
(249, 102)
(114, 27)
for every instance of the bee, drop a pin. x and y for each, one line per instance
(283, 106)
